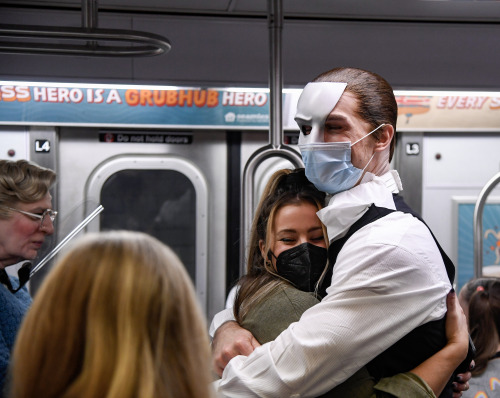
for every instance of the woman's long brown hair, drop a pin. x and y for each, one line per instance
(284, 187)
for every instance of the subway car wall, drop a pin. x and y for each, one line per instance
(182, 183)
(444, 165)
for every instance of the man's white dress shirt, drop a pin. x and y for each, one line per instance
(389, 278)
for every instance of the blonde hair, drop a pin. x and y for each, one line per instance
(117, 317)
(22, 181)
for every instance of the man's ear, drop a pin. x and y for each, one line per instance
(384, 138)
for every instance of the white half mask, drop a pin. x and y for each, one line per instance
(315, 104)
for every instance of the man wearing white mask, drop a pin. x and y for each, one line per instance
(387, 300)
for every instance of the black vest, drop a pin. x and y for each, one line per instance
(422, 342)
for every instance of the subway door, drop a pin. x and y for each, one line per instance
(175, 193)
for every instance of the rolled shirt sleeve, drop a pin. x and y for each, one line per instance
(389, 278)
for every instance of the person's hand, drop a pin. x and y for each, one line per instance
(457, 332)
(461, 382)
(231, 340)
(458, 335)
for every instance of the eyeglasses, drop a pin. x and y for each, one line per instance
(52, 214)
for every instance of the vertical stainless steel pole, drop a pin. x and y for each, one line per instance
(275, 21)
(89, 18)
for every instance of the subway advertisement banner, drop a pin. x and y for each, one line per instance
(61, 104)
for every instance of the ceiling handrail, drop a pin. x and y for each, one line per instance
(154, 44)
(89, 33)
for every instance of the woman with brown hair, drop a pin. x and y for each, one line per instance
(286, 265)
(117, 317)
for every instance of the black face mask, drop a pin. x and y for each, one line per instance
(303, 265)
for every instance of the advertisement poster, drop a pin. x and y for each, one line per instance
(65, 104)
(465, 241)
(126, 106)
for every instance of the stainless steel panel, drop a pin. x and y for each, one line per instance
(83, 159)
(136, 207)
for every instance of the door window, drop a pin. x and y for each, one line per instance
(161, 203)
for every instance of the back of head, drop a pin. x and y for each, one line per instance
(474, 285)
(22, 181)
(117, 317)
(484, 320)
(376, 101)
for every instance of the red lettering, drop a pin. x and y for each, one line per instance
(442, 102)
(132, 97)
(8, 93)
(461, 102)
(171, 98)
(495, 103)
(146, 97)
(451, 102)
(480, 102)
(159, 97)
(213, 98)
(186, 97)
(200, 98)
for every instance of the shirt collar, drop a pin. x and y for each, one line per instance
(345, 208)
(392, 181)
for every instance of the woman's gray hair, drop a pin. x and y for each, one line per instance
(22, 181)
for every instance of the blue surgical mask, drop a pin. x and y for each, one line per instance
(328, 165)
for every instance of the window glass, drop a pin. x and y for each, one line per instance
(161, 203)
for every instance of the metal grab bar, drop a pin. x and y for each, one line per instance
(70, 236)
(275, 146)
(155, 44)
(89, 33)
(247, 194)
(478, 224)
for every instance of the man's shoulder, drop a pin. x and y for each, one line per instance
(393, 227)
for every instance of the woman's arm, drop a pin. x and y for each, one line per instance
(429, 378)
(438, 369)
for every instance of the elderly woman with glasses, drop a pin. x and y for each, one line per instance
(26, 218)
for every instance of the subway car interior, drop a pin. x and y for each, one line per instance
(173, 114)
